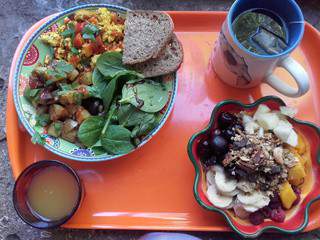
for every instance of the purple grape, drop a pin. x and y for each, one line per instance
(219, 145)
(278, 215)
(275, 202)
(266, 211)
(226, 119)
(256, 218)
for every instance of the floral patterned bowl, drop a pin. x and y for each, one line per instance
(296, 218)
(33, 53)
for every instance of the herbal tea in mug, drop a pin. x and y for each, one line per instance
(261, 32)
(255, 39)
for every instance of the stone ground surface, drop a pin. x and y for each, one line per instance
(16, 16)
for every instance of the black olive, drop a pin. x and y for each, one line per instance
(93, 105)
(219, 145)
(226, 119)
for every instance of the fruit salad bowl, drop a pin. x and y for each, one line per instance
(297, 218)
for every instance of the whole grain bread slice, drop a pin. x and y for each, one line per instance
(168, 60)
(146, 34)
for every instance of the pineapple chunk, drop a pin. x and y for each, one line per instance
(287, 195)
(296, 174)
(301, 147)
(302, 158)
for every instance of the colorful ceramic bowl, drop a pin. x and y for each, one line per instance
(33, 53)
(297, 218)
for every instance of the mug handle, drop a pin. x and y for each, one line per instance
(297, 72)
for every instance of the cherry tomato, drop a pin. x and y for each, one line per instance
(74, 60)
(79, 26)
(78, 41)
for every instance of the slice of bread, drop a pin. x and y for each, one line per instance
(146, 35)
(168, 60)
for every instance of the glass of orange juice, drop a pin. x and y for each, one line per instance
(47, 194)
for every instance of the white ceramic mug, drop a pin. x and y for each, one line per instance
(238, 67)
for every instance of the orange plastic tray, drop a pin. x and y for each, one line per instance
(152, 187)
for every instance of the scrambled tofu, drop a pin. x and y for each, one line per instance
(51, 38)
(81, 37)
(110, 29)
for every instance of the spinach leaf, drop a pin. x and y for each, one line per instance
(145, 126)
(109, 117)
(110, 64)
(98, 150)
(116, 140)
(42, 119)
(124, 112)
(37, 138)
(148, 96)
(130, 116)
(90, 130)
(99, 80)
(108, 93)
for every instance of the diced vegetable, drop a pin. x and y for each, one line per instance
(73, 75)
(82, 114)
(69, 97)
(69, 130)
(78, 41)
(55, 129)
(57, 112)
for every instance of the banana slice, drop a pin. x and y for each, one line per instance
(283, 130)
(223, 183)
(210, 177)
(261, 109)
(250, 208)
(217, 168)
(230, 194)
(256, 199)
(218, 200)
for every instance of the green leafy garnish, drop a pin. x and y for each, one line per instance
(68, 33)
(74, 50)
(42, 119)
(89, 31)
(37, 138)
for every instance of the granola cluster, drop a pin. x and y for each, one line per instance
(259, 159)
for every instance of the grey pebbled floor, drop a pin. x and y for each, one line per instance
(16, 16)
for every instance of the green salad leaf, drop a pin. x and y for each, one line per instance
(149, 96)
(90, 130)
(117, 140)
(110, 64)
